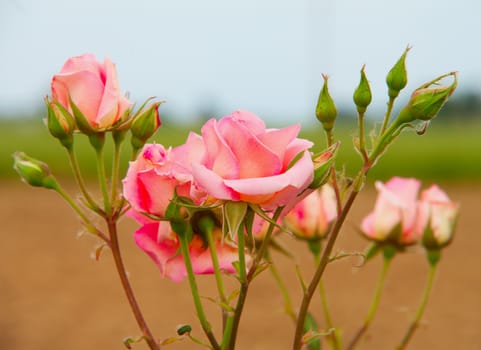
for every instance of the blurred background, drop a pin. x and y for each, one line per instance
(207, 59)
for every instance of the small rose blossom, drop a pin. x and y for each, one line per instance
(394, 215)
(157, 173)
(94, 89)
(163, 246)
(244, 161)
(437, 216)
(311, 218)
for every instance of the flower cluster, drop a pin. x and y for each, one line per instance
(401, 218)
(234, 159)
(213, 204)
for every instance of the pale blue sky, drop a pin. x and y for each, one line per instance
(261, 55)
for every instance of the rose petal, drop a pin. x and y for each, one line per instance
(253, 157)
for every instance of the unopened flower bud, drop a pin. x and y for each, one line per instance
(362, 95)
(436, 219)
(326, 111)
(33, 171)
(60, 123)
(145, 125)
(426, 101)
(184, 329)
(397, 77)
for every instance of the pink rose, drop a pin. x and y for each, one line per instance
(437, 217)
(93, 88)
(163, 246)
(157, 173)
(312, 217)
(394, 215)
(244, 161)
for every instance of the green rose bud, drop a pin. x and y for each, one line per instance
(33, 171)
(427, 100)
(60, 123)
(397, 77)
(362, 95)
(326, 111)
(144, 125)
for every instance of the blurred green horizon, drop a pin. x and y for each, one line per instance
(448, 151)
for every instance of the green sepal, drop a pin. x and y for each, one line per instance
(389, 251)
(433, 256)
(178, 222)
(322, 165)
(373, 250)
(82, 123)
(234, 214)
(97, 140)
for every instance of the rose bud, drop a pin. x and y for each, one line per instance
(437, 217)
(426, 101)
(362, 95)
(326, 111)
(90, 91)
(397, 77)
(393, 218)
(144, 125)
(33, 171)
(60, 123)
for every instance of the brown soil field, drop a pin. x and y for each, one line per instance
(54, 295)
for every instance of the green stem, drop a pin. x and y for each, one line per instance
(88, 224)
(227, 332)
(422, 305)
(283, 289)
(308, 294)
(217, 274)
(385, 122)
(362, 137)
(250, 275)
(80, 182)
(103, 180)
(374, 304)
(112, 227)
(115, 172)
(184, 247)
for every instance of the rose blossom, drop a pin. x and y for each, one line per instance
(437, 216)
(394, 215)
(163, 246)
(157, 173)
(312, 217)
(93, 88)
(244, 161)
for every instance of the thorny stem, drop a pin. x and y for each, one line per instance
(112, 227)
(250, 275)
(374, 304)
(321, 267)
(422, 305)
(184, 247)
